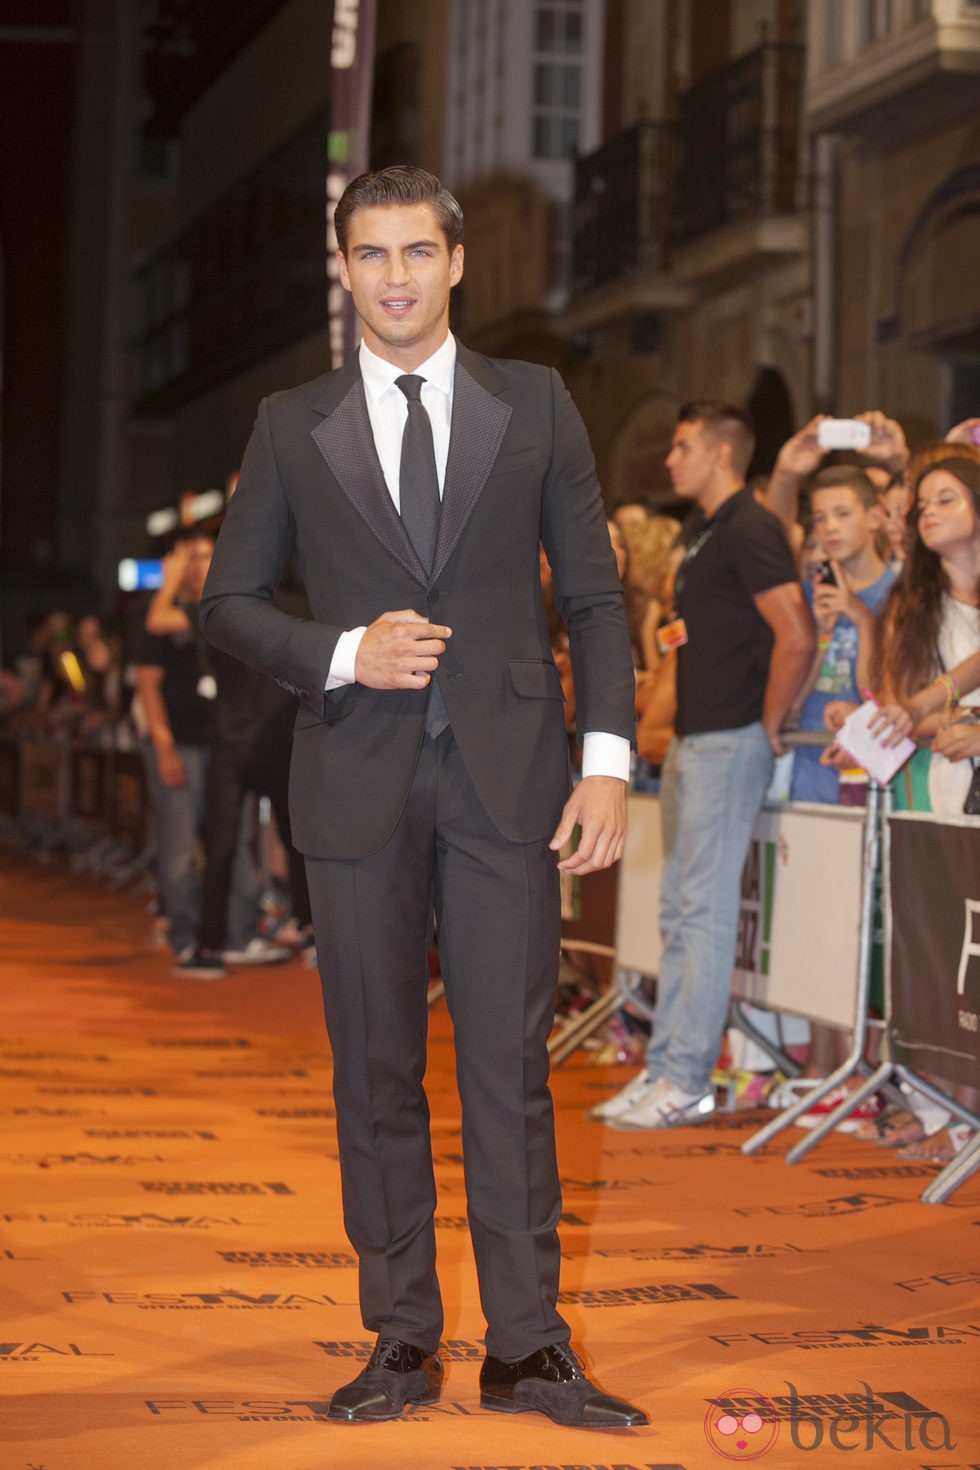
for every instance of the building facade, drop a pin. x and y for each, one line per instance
(773, 201)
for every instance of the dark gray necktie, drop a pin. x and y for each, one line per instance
(418, 480)
(418, 492)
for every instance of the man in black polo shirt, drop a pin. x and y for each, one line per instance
(744, 640)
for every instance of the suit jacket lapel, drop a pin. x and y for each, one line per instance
(479, 423)
(345, 440)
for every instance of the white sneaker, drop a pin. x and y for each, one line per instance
(258, 951)
(667, 1106)
(622, 1101)
(930, 1114)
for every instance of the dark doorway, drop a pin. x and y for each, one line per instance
(772, 414)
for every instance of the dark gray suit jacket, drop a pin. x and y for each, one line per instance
(520, 470)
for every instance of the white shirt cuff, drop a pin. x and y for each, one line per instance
(344, 659)
(605, 755)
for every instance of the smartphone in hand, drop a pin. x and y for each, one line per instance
(843, 434)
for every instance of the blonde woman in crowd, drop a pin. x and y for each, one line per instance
(653, 556)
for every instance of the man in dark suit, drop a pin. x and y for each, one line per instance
(430, 773)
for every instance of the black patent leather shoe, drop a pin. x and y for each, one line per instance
(396, 1374)
(550, 1381)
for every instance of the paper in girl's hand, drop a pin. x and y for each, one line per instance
(867, 750)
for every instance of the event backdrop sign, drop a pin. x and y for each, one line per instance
(351, 78)
(935, 895)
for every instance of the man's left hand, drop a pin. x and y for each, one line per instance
(598, 806)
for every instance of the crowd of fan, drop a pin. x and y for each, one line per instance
(887, 547)
(70, 678)
(886, 541)
(849, 563)
(214, 736)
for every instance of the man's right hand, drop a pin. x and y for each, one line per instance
(400, 650)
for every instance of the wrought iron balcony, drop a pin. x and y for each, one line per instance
(734, 154)
(622, 206)
(739, 143)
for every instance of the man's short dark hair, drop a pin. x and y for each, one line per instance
(723, 421)
(846, 477)
(399, 184)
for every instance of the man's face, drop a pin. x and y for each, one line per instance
(843, 523)
(692, 461)
(400, 272)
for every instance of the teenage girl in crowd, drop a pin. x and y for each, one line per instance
(928, 655)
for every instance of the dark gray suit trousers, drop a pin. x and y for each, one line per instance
(498, 909)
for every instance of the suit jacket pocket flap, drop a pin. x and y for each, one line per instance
(336, 704)
(536, 678)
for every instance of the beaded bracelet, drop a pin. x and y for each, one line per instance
(952, 691)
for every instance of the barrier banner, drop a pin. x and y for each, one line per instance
(935, 952)
(88, 784)
(9, 777)
(43, 779)
(351, 80)
(128, 801)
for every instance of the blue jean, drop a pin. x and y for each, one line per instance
(179, 817)
(712, 787)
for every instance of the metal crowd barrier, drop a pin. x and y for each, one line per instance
(931, 921)
(811, 887)
(852, 923)
(86, 800)
(794, 955)
(934, 861)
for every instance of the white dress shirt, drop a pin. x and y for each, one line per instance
(603, 754)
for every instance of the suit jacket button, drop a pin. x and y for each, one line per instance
(432, 595)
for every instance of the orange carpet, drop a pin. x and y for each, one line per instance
(178, 1290)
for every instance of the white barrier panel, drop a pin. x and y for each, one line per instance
(799, 929)
(637, 925)
(800, 923)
